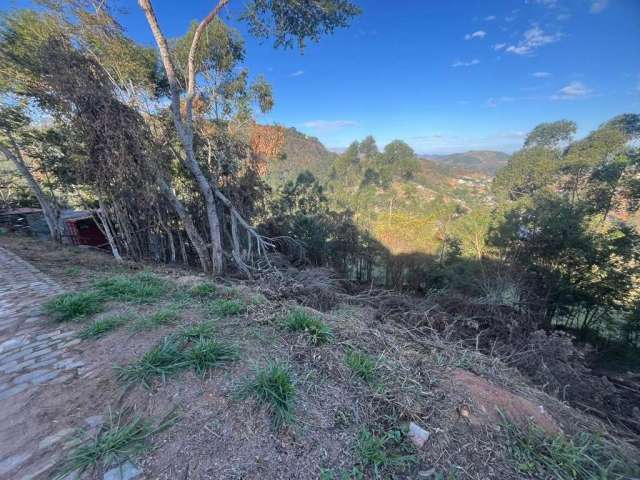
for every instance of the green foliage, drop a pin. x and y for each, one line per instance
(551, 135)
(104, 325)
(274, 388)
(226, 307)
(362, 365)
(583, 457)
(74, 306)
(119, 439)
(206, 354)
(384, 451)
(301, 320)
(165, 316)
(140, 288)
(202, 290)
(292, 24)
(163, 360)
(197, 331)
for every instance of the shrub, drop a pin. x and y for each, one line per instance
(300, 320)
(74, 306)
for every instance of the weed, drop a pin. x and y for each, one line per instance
(300, 320)
(273, 387)
(141, 288)
(161, 361)
(199, 330)
(384, 451)
(118, 439)
(362, 365)
(202, 290)
(104, 325)
(582, 457)
(355, 473)
(74, 306)
(225, 308)
(165, 316)
(206, 354)
(73, 271)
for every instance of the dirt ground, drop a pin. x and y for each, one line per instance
(219, 435)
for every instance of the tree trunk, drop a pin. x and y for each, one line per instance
(106, 228)
(50, 210)
(195, 238)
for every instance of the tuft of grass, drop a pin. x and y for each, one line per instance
(383, 451)
(362, 365)
(206, 354)
(202, 290)
(274, 388)
(581, 457)
(226, 307)
(163, 360)
(300, 320)
(199, 330)
(165, 316)
(140, 288)
(118, 440)
(104, 325)
(74, 306)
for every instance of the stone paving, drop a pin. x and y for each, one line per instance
(36, 356)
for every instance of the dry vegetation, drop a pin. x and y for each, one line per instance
(350, 372)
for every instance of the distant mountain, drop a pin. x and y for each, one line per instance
(484, 161)
(299, 152)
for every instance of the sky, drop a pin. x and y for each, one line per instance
(444, 76)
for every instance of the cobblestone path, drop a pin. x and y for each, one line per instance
(34, 354)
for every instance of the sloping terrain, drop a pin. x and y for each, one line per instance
(197, 379)
(483, 161)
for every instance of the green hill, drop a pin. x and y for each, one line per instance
(483, 161)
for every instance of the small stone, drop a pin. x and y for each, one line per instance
(94, 421)
(11, 463)
(418, 435)
(13, 391)
(54, 438)
(126, 471)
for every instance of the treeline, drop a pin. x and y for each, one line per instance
(176, 182)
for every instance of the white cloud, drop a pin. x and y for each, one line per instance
(460, 63)
(532, 39)
(477, 34)
(490, 18)
(494, 102)
(297, 73)
(572, 91)
(541, 74)
(499, 46)
(598, 6)
(329, 124)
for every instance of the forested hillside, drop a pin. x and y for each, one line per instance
(487, 162)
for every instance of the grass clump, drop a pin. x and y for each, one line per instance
(165, 316)
(74, 306)
(225, 307)
(362, 365)
(197, 331)
(202, 290)
(274, 388)
(163, 360)
(581, 457)
(104, 325)
(207, 353)
(300, 320)
(140, 288)
(119, 439)
(381, 452)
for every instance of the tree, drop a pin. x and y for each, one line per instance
(281, 19)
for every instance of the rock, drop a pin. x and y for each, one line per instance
(126, 471)
(418, 435)
(94, 421)
(55, 438)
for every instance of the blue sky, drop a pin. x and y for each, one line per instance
(445, 76)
